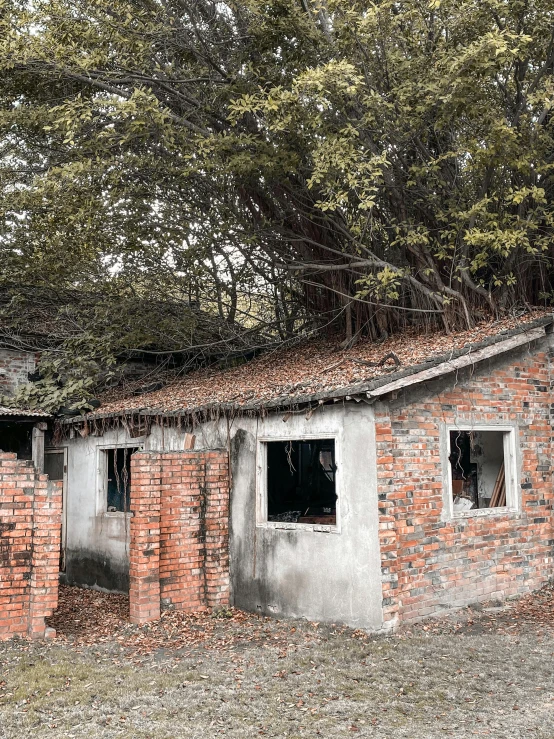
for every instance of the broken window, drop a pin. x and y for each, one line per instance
(118, 479)
(301, 481)
(480, 463)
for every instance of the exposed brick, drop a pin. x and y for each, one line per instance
(463, 560)
(30, 528)
(15, 366)
(183, 560)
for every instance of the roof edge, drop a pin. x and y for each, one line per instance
(452, 365)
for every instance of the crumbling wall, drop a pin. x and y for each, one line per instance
(15, 365)
(430, 560)
(30, 526)
(179, 553)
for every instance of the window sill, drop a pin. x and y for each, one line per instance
(283, 525)
(484, 512)
(116, 514)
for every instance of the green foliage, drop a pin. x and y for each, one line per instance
(86, 340)
(400, 153)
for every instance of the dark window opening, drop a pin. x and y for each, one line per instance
(478, 469)
(118, 486)
(54, 465)
(16, 438)
(301, 481)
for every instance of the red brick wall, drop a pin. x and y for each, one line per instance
(14, 368)
(429, 562)
(179, 532)
(30, 526)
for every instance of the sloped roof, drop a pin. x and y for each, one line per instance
(315, 370)
(20, 413)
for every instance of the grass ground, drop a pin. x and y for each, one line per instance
(479, 673)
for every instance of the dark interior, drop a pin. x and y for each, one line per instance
(301, 481)
(16, 437)
(478, 470)
(119, 479)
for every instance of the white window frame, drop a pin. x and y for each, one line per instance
(261, 485)
(102, 476)
(511, 466)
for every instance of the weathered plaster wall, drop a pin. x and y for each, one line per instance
(301, 572)
(97, 548)
(431, 560)
(298, 572)
(15, 365)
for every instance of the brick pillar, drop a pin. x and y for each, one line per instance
(388, 539)
(182, 531)
(217, 528)
(47, 522)
(30, 526)
(16, 520)
(144, 565)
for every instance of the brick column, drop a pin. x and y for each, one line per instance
(182, 536)
(217, 528)
(144, 565)
(17, 487)
(30, 526)
(179, 554)
(47, 523)
(388, 539)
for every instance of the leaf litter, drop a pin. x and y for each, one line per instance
(237, 675)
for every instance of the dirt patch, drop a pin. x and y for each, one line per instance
(532, 613)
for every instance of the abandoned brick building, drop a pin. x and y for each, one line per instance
(370, 486)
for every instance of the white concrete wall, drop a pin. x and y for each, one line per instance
(289, 570)
(97, 549)
(282, 570)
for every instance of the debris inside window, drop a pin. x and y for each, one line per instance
(478, 469)
(118, 487)
(301, 481)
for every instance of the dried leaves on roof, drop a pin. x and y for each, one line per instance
(301, 370)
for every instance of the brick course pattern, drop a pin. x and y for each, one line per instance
(14, 368)
(30, 529)
(179, 554)
(429, 562)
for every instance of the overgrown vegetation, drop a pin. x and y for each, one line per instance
(289, 163)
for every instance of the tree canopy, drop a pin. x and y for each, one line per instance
(368, 165)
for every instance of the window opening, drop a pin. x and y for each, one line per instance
(118, 487)
(54, 465)
(301, 481)
(478, 469)
(16, 437)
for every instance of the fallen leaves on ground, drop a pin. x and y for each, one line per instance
(88, 617)
(534, 611)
